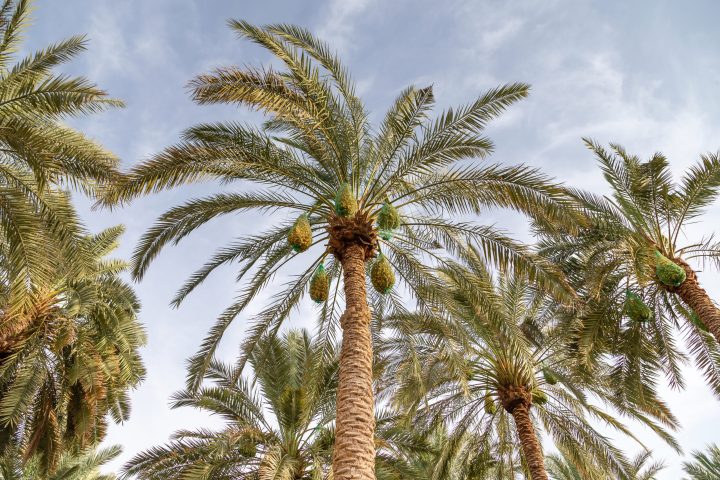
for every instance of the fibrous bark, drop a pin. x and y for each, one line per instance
(354, 451)
(695, 297)
(517, 401)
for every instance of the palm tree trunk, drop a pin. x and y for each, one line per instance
(695, 297)
(529, 441)
(354, 451)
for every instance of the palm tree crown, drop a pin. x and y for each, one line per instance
(279, 425)
(39, 153)
(316, 146)
(72, 358)
(630, 265)
(499, 359)
(72, 466)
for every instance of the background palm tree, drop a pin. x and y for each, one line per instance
(353, 192)
(74, 361)
(616, 263)
(38, 154)
(704, 465)
(496, 367)
(72, 466)
(279, 425)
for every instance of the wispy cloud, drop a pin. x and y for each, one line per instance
(338, 26)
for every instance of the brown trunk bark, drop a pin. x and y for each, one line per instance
(354, 452)
(529, 442)
(695, 297)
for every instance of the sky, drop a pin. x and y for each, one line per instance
(644, 74)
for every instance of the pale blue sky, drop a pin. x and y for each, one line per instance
(645, 74)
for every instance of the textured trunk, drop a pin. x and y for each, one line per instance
(354, 452)
(529, 442)
(695, 297)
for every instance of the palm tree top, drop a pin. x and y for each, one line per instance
(69, 363)
(279, 423)
(41, 155)
(500, 348)
(632, 233)
(316, 157)
(646, 201)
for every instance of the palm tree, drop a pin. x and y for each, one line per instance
(73, 361)
(353, 192)
(560, 467)
(279, 425)
(632, 269)
(72, 466)
(705, 465)
(38, 153)
(495, 365)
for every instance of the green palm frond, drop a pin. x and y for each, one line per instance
(500, 331)
(704, 465)
(646, 212)
(41, 155)
(563, 467)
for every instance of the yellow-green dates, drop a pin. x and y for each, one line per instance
(319, 285)
(490, 406)
(382, 275)
(549, 376)
(345, 203)
(300, 235)
(539, 397)
(668, 272)
(388, 221)
(247, 446)
(635, 308)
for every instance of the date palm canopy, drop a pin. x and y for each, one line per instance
(316, 146)
(39, 156)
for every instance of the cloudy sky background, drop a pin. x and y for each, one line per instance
(644, 74)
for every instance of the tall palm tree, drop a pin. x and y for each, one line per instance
(352, 191)
(494, 364)
(560, 467)
(278, 425)
(72, 466)
(631, 266)
(704, 465)
(73, 360)
(39, 153)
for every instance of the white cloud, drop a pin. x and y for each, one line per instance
(109, 42)
(338, 26)
(492, 39)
